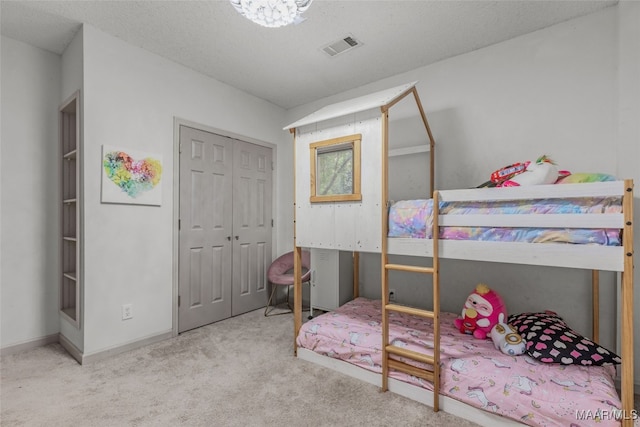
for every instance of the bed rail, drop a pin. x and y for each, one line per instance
(566, 191)
(551, 191)
(608, 258)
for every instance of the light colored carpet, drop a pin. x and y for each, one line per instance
(238, 372)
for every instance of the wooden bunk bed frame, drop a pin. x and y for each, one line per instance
(590, 257)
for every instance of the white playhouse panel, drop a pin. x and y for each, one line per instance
(341, 225)
(344, 235)
(310, 233)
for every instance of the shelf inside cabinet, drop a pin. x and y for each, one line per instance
(69, 304)
(71, 155)
(69, 312)
(69, 296)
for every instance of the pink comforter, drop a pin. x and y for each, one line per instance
(473, 371)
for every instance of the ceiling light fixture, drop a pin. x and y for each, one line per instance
(271, 13)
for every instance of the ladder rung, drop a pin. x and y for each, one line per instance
(410, 354)
(411, 268)
(411, 370)
(410, 310)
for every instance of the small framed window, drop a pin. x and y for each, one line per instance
(335, 169)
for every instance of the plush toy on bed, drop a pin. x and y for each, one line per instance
(542, 171)
(481, 312)
(507, 339)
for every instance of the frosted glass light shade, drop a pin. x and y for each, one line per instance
(271, 13)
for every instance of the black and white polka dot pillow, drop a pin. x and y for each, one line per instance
(550, 340)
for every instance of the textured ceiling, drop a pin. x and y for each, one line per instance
(286, 66)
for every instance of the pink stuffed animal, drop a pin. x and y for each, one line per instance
(481, 312)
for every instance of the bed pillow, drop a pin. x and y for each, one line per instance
(576, 178)
(550, 340)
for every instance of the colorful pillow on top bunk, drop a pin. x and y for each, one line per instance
(576, 178)
(550, 340)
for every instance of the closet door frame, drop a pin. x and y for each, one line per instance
(177, 122)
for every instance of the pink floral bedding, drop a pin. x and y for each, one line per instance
(472, 370)
(412, 218)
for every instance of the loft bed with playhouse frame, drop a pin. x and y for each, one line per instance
(563, 378)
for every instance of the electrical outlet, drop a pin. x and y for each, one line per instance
(127, 311)
(392, 294)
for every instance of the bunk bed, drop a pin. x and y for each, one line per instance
(415, 350)
(473, 371)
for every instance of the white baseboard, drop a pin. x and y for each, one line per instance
(76, 353)
(29, 345)
(409, 391)
(104, 354)
(71, 348)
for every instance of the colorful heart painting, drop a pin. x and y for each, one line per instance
(130, 177)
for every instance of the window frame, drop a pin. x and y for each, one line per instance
(351, 141)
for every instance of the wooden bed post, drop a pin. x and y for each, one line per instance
(432, 143)
(435, 231)
(297, 262)
(627, 307)
(297, 295)
(384, 273)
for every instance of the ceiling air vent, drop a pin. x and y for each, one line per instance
(342, 45)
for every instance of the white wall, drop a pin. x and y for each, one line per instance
(561, 91)
(629, 130)
(30, 222)
(131, 98)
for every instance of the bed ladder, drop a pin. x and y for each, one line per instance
(389, 350)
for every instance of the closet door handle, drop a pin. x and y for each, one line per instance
(229, 238)
(237, 237)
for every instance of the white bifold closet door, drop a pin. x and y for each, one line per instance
(225, 227)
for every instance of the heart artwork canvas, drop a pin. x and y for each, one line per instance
(131, 177)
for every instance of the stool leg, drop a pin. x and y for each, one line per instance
(273, 291)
